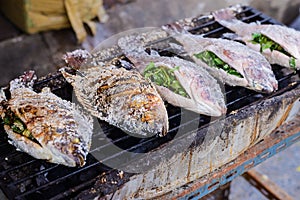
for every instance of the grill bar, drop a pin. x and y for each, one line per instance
(23, 177)
(32, 176)
(49, 184)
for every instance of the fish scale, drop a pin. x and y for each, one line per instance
(122, 98)
(286, 37)
(61, 131)
(256, 71)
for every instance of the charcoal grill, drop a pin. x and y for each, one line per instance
(246, 124)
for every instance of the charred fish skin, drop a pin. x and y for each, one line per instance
(285, 50)
(122, 98)
(251, 69)
(46, 126)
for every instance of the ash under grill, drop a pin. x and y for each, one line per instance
(23, 177)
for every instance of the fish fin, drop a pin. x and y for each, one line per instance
(175, 28)
(232, 36)
(154, 53)
(46, 90)
(177, 49)
(2, 95)
(2, 100)
(24, 81)
(69, 77)
(77, 58)
(257, 23)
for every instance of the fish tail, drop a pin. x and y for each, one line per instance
(224, 14)
(179, 32)
(227, 18)
(173, 28)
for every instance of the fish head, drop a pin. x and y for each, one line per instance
(265, 87)
(212, 102)
(152, 113)
(261, 78)
(159, 113)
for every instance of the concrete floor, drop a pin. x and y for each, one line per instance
(282, 169)
(42, 52)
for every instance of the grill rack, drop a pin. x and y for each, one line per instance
(23, 177)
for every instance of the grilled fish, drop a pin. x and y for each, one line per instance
(229, 61)
(279, 44)
(44, 125)
(122, 98)
(182, 83)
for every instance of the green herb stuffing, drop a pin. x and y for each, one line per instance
(17, 125)
(292, 63)
(213, 60)
(267, 43)
(164, 76)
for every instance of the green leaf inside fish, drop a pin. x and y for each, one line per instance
(164, 76)
(292, 63)
(213, 60)
(267, 43)
(17, 125)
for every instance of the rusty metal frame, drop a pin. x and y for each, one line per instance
(280, 139)
(268, 188)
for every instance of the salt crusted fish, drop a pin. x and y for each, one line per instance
(44, 125)
(186, 85)
(229, 61)
(279, 44)
(182, 83)
(179, 82)
(122, 98)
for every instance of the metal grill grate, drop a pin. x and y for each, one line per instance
(23, 177)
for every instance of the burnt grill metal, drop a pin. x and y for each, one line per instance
(23, 177)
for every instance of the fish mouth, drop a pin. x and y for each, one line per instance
(80, 160)
(265, 88)
(165, 129)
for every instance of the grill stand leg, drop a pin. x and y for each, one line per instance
(265, 185)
